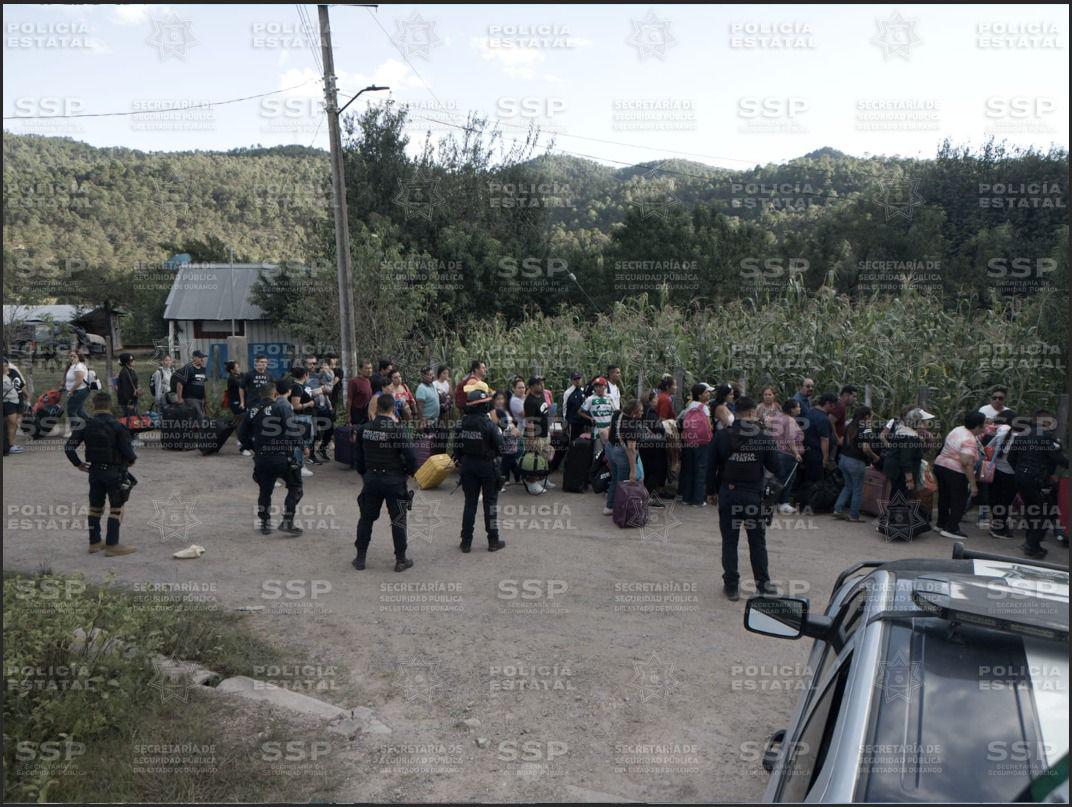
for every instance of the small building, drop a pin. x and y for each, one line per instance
(209, 308)
(28, 326)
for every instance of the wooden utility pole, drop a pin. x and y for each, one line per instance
(342, 224)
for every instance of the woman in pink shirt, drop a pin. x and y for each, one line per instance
(954, 468)
(789, 438)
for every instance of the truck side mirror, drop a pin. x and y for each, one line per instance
(784, 617)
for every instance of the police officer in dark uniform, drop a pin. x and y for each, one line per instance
(478, 444)
(1035, 456)
(384, 458)
(274, 432)
(108, 456)
(742, 452)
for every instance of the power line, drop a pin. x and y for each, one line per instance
(160, 111)
(307, 26)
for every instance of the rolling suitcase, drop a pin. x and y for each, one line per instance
(631, 504)
(435, 469)
(578, 463)
(178, 428)
(599, 474)
(344, 445)
(876, 492)
(422, 446)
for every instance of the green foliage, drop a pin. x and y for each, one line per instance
(99, 693)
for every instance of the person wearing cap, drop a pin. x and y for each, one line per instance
(127, 388)
(538, 420)
(572, 399)
(384, 457)
(190, 383)
(478, 444)
(108, 456)
(902, 460)
(597, 410)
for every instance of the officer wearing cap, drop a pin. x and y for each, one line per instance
(275, 433)
(478, 444)
(108, 456)
(742, 453)
(384, 457)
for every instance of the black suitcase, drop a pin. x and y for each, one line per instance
(823, 495)
(213, 434)
(578, 464)
(179, 427)
(344, 447)
(599, 475)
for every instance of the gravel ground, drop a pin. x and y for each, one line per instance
(575, 681)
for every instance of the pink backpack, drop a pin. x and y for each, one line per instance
(697, 431)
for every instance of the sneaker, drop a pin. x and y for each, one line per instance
(840, 516)
(654, 502)
(118, 549)
(17, 450)
(495, 547)
(1001, 536)
(403, 564)
(246, 452)
(314, 460)
(94, 548)
(732, 593)
(549, 485)
(323, 454)
(306, 472)
(608, 511)
(358, 563)
(957, 536)
(854, 519)
(769, 589)
(786, 509)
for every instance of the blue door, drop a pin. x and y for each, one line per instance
(217, 358)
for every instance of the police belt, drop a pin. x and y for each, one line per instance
(102, 466)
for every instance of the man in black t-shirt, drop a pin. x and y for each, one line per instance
(256, 380)
(190, 383)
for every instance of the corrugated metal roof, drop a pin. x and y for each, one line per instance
(214, 291)
(38, 313)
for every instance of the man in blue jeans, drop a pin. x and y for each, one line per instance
(621, 449)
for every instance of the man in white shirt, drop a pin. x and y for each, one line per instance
(614, 378)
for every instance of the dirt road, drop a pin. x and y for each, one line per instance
(588, 659)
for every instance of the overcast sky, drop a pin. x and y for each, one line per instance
(725, 85)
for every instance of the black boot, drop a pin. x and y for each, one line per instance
(358, 562)
(266, 527)
(467, 545)
(401, 564)
(496, 545)
(732, 593)
(287, 526)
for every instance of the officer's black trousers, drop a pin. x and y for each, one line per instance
(104, 483)
(742, 508)
(378, 488)
(266, 469)
(479, 477)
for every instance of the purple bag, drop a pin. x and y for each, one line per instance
(631, 504)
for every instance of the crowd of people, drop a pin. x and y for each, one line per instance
(719, 448)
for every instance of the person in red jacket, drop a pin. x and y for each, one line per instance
(359, 392)
(477, 371)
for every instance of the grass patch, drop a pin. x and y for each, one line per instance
(93, 726)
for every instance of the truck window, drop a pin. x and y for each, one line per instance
(804, 760)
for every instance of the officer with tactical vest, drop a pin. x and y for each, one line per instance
(108, 456)
(742, 453)
(478, 444)
(384, 457)
(274, 432)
